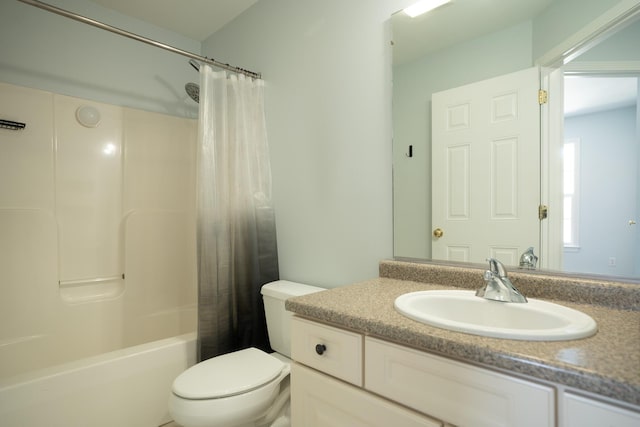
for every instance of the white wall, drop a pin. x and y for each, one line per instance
(608, 146)
(563, 18)
(621, 46)
(45, 51)
(328, 101)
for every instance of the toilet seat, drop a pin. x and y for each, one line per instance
(228, 375)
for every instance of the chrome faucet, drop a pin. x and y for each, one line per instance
(498, 286)
(528, 259)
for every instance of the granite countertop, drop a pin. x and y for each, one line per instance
(607, 363)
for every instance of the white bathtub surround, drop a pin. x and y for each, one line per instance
(88, 196)
(63, 253)
(124, 388)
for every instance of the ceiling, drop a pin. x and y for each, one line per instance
(584, 95)
(195, 19)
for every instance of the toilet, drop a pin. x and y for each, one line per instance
(246, 388)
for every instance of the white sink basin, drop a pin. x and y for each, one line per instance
(462, 311)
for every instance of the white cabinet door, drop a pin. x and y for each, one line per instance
(583, 412)
(318, 400)
(486, 169)
(455, 392)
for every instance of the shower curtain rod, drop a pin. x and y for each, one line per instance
(139, 38)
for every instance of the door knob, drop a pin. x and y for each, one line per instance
(438, 233)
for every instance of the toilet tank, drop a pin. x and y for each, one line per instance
(274, 295)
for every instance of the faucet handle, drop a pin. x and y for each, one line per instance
(496, 267)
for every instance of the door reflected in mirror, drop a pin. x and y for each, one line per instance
(592, 192)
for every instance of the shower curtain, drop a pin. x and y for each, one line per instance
(236, 236)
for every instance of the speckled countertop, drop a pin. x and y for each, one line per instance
(607, 363)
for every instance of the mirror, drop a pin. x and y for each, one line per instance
(451, 49)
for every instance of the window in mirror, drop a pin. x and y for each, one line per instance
(571, 169)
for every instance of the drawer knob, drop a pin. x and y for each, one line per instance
(320, 349)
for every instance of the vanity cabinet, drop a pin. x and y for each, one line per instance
(579, 411)
(319, 400)
(383, 384)
(327, 380)
(456, 392)
(342, 378)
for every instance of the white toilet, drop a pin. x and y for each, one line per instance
(246, 388)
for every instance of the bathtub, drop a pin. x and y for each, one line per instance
(122, 388)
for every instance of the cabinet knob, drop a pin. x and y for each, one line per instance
(320, 349)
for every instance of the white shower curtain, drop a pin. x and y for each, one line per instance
(237, 251)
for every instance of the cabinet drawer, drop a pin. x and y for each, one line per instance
(327, 349)
(455, 392)
(583, 412)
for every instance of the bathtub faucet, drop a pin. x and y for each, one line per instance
(498, 287)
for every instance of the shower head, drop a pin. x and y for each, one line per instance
(193, 90)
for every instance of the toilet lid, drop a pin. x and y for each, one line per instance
(227, 375)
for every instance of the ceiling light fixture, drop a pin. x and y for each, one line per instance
(423, 6)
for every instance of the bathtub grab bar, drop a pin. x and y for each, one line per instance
(10, 124)
(64, 283)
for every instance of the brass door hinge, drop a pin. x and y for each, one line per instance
(543, 212)
(542, 96)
